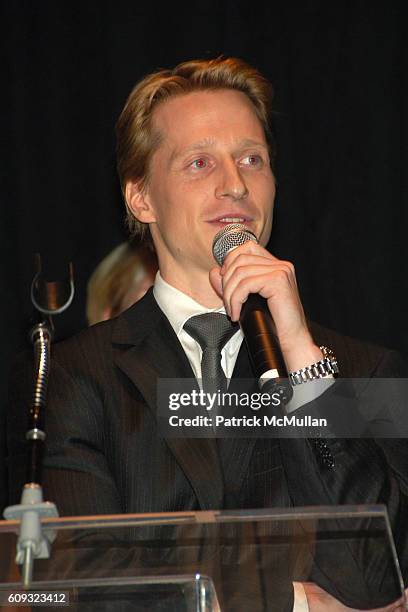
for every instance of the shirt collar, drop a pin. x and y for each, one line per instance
(176, 305)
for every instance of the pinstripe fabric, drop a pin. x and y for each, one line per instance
(104, 455)
(101, 416)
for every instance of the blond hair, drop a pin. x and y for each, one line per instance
(121, 272)
(136, 139)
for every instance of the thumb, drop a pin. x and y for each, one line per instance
(216, 280)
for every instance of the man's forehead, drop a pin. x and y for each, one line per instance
(196, 120)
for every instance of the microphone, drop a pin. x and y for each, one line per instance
(256, 321)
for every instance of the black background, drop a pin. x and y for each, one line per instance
(339, 71)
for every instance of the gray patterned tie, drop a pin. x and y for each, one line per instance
(212, 331)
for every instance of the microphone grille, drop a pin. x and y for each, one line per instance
(230, 237)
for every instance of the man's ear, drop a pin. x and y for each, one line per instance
(139, 203)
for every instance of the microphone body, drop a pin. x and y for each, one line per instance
(256, 322)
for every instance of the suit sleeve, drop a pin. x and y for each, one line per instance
(365, 471)
(392, 366)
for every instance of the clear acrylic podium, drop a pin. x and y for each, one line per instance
(232, 561)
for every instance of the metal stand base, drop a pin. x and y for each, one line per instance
(33, 542)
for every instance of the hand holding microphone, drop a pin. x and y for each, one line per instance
(261, 292)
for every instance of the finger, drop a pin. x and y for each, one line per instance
(261, 284)
(244, 261)
(248, 248)
(216, 281)
(265, 279)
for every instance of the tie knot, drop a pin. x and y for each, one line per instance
(211, 330)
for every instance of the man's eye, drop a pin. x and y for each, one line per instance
(252, 160)
(199, 163)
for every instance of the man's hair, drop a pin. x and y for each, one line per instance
(136, 139)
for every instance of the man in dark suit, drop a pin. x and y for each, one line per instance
(195, 153)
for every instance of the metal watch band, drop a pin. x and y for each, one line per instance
(326, 366)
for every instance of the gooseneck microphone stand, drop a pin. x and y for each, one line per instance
(49, 299)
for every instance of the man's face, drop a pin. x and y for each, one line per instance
(211, 168)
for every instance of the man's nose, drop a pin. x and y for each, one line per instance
(231, 183)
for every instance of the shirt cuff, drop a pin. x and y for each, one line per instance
(300, 600)
(309, 391)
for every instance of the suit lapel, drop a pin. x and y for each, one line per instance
(146, 349)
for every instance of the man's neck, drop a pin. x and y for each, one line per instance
(198, 288)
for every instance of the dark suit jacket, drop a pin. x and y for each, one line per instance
(104, 455)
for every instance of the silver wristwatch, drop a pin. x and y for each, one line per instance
(326, 366)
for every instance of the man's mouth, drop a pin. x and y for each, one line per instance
(231, 219)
